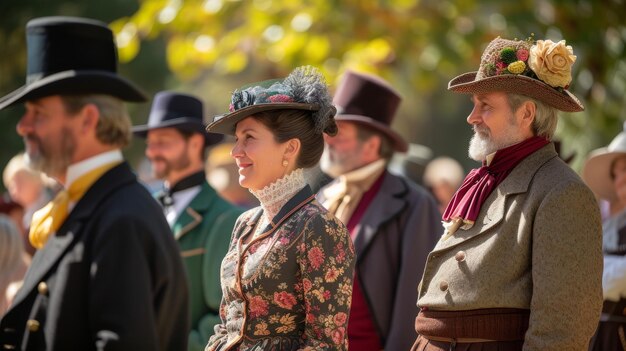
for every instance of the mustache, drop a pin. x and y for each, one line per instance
(478, 129)
(159, 158)
(31, 138)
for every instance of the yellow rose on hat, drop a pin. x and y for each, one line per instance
(552, 62)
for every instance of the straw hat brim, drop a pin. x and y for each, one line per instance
(75, 82)
(516, 84)
(398, 142)
(597, 172)
(225, 124)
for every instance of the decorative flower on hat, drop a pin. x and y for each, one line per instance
(552, 62)
(544, 60)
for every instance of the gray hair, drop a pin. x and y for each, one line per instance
(114, 126)
(546, 117)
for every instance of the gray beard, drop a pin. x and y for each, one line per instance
(53, 166)
(334, 170)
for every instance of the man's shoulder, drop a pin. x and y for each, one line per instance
(405, 186)
(213, 201)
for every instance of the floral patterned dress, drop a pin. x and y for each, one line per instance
(286, 282)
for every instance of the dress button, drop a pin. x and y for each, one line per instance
(443, 285)
(460, 256)
(32, 325)
(42, 288)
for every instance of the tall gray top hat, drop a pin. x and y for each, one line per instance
(175, 110)
(71, 55)
(597, 168)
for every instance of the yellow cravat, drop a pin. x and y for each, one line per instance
(49, 219)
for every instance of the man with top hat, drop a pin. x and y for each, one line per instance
(108, 273)
(393, 222)
(200, 219)
(605, 173)
(519, 266)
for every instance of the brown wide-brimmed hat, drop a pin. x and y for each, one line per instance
(304, 89)
(597, 168)
(540, 70)
(369, 100)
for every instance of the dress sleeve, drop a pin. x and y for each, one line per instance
(326, 260)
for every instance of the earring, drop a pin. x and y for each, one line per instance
(285, 163)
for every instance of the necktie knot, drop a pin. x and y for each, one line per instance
(50, 218)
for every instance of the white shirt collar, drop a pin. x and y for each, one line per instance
(76, 170)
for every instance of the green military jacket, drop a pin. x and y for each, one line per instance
(203, 232)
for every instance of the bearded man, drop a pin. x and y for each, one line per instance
(519, 266)
(200, 219)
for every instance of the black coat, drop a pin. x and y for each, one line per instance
(110, 279)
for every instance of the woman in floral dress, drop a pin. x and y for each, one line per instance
(287, 277)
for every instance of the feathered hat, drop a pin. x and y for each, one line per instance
(304, 89)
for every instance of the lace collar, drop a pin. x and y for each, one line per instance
(274, 196)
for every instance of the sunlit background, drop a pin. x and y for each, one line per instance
(210, 47)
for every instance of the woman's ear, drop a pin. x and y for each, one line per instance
(292, 149)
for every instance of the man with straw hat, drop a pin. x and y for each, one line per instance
(605, 173)
(519, 265)
(108, 274)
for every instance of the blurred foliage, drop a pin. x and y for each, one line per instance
(416, 45)
(211, 47)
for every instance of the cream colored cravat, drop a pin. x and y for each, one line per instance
(344, 195)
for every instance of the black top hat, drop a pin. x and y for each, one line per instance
(370, 101)
(71, 55)
(180, 111)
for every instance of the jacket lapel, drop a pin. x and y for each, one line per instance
(495, 207)
(387, 203)
(58, 243)
(191, 217)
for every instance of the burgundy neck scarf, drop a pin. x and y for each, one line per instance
(480, 182)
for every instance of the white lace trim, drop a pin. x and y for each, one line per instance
(274, 196)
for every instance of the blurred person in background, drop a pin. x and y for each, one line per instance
(393, 222)
(29, 188)
(13, 262)
(15, 211)
(200, 219)
(107, 274)
(443, 175)
(605, 173)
